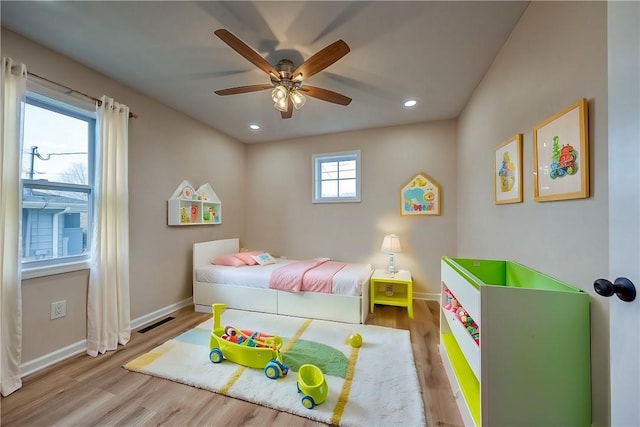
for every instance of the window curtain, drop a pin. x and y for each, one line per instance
(14, 82)
(108, 315)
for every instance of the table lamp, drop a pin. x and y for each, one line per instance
(391, 245)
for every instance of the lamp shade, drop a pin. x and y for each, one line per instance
(282, 105)
(391, 244)
(297, 98)
(279, 93)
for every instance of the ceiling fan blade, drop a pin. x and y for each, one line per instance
(325, 95)
(248, 53)
(287, 114)
(243, 89)
(321, 60)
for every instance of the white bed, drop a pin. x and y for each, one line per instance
(351, 306)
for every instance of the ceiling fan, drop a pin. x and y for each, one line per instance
(287, 89)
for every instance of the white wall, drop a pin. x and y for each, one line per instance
(283, 220)
(556, 55)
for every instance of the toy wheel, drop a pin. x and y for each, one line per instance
(298, 387)
(307, 402)
(215, 355)
(271, 371)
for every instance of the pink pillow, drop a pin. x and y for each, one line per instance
(247, 257)
(228, 260)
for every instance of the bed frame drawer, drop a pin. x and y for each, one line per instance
(236, 297)
(320, 306)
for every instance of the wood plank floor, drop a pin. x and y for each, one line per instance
(87, 391)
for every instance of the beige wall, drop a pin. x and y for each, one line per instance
(556, 55)
(165, 147)
(284, 221)
(41, 335)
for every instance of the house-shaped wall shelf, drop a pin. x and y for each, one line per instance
(189, 206)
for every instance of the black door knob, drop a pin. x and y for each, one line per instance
(622, 287)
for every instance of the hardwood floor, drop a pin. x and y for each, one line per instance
(87, 391)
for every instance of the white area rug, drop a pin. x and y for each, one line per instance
(374, 385)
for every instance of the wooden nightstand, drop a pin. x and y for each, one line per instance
(392, 289)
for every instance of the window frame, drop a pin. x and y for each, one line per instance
(318, 159)
(70, 106)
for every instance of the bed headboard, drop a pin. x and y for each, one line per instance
(204, 252)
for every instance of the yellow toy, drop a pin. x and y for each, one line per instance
(248, 348)
(312, 384)
(183, 215)
(355, 340)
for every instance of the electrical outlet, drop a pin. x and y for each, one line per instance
(58, 309)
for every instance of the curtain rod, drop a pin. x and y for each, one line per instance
(99, 101)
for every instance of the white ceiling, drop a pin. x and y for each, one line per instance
(435, 52)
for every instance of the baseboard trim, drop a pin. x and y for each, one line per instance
(426, 296)
(71, 350)
(155, 315)
(52, 358)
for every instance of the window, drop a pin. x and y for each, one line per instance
(336, 177)
(57, 182)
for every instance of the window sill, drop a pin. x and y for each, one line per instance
(32, 273)
(336, 200)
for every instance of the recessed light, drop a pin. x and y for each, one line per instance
(254, 127)
(410, 103)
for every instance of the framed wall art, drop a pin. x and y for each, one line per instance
(420, 196)
(561, 155)
(507, 177)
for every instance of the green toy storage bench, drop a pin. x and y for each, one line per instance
(515, 344)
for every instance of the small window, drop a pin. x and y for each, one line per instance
(57, 183)
(336, 177)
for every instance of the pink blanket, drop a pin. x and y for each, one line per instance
(314, 275)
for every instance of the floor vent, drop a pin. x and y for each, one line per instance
(155, 325)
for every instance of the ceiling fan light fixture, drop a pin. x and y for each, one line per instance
(286, 78)
(297, 98)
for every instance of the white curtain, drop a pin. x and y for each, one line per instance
(14, 81)
(108, 316)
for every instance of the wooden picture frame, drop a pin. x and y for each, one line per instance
(561, 155)
(420, 196)
(507, 176)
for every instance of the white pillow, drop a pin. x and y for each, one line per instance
(264, 259)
